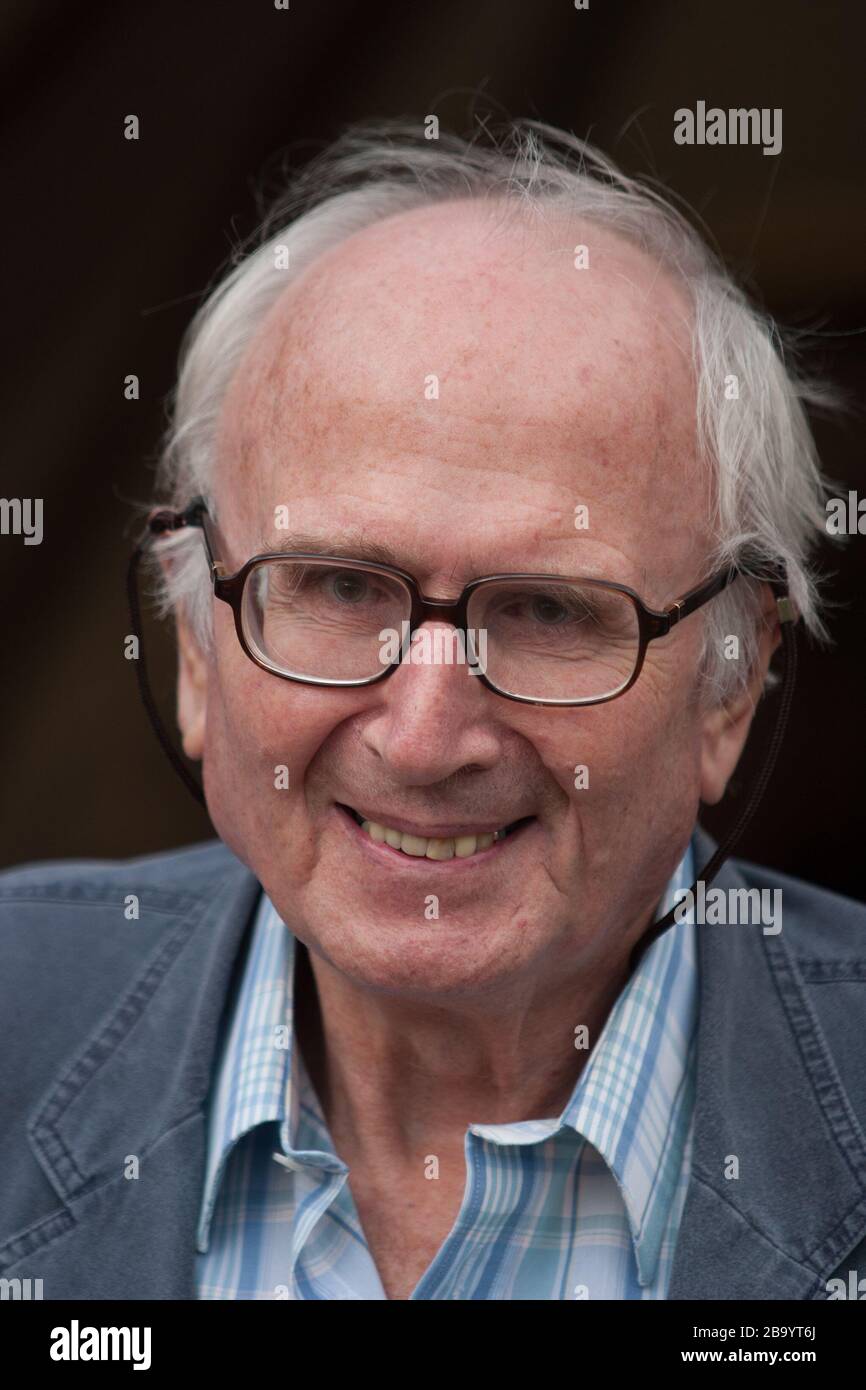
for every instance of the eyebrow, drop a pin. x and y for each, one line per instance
(355, 547)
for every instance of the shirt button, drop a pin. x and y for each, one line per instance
(286, 1161)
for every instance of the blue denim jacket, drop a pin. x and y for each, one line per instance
(109, 1025)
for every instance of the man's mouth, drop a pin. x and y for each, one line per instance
(462, 845)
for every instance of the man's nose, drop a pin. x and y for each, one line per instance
(433, 717)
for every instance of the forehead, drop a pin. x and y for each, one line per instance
(451, 352)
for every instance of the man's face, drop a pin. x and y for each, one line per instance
(558, 387)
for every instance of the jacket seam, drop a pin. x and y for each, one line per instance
(110, 1179)
(64, 1218)
(829, 1091)
(21, 1244)
(43, 1126)
(159, 900)
(859, 1209)
(819, 972)
(747, 1221)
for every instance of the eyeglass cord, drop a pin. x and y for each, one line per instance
(723, 850)
(144, 684)
(653, 932)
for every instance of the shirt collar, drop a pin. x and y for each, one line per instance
(632, 1101)
(260, 1074)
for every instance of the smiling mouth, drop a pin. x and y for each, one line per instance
(434, 847)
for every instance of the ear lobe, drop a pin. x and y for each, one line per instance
(191, 692)
(726, 726)
(723, 738)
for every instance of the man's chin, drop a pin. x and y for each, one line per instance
(421, 956)
(402, 922)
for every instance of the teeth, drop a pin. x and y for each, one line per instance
(410, 844)
(440, 849)
(460, 847)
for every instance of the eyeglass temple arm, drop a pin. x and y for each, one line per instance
(696, 598)
(158, 523)
(167, 520)
(195, 514)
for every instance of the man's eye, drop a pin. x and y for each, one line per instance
(546, 610)
(348, 588)
(550, 612)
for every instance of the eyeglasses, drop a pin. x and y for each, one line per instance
(536, 638)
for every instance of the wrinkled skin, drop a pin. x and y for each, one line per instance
(557, 387)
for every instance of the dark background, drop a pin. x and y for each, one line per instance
(109, 244)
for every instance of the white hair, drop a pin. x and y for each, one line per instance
(766, 487)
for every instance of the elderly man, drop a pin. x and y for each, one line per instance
(411, 1027)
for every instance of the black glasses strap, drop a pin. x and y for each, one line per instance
(144, 684)
(708, 873)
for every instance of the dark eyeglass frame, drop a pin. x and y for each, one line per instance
(229, 588)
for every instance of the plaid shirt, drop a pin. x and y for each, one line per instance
(586, 1205)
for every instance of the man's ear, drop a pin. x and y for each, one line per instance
(191, 691)
(726, 726)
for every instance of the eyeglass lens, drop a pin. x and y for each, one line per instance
(541, 639)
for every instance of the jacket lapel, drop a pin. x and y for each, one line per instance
(121, 1134)
(771, 1108)
(769, 1105)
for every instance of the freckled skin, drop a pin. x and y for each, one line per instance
(557, 387)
